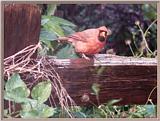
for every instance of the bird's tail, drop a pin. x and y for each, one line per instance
(62, 39)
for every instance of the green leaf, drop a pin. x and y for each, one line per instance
(30, 114)
(101, 70)
(62, 21)
(110, 103)
(47, 35)
(149, 11)
(137, 115)
(14, 82)
(17, 95)
(51, 9)
(150, 109)
(33, 103)
(46, 111)
(52, 26)
(27, 106)
(79, 115)
(66, 51)
(68, 30)
(44, 21)
(42, 91)
(96, 88)
(41, 111)
(55, 28)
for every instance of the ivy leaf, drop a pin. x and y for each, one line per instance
(17, 95)
(27, 106)
(14, 82)
(16, 90)
(30, 114)
(46, 111)
(41, 111)
(42, 91)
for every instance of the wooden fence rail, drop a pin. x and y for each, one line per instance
(128, 78)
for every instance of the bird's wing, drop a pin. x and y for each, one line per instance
(84, 35)
(78, 37)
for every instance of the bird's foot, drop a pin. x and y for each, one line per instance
(97, 59)
(85, 57)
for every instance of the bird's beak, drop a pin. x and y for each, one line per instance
(109, 32)
(103, 34)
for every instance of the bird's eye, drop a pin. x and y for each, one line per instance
(101, 38)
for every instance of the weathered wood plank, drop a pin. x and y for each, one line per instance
(128, 78)
(105, 60)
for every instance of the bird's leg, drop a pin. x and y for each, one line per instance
(85, 57)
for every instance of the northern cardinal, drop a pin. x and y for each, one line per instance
(89, 41)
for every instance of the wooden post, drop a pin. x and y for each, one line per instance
(21, 27)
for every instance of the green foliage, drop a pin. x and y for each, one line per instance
(17, 92)
(52, 28)
(96, 88)
(110, 110)
(36, 111)
(42, 91)
(143, 48)
(51, 9)
(35, 108)
(64, 51)
(52, 25)
(149, 11)
(150, 110)
(17, 95)
(14, 82)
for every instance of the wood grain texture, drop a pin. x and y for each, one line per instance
(118, 79)
(21, 27)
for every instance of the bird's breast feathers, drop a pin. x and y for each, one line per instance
(88, 48)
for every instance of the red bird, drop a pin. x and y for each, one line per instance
(88, 42)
